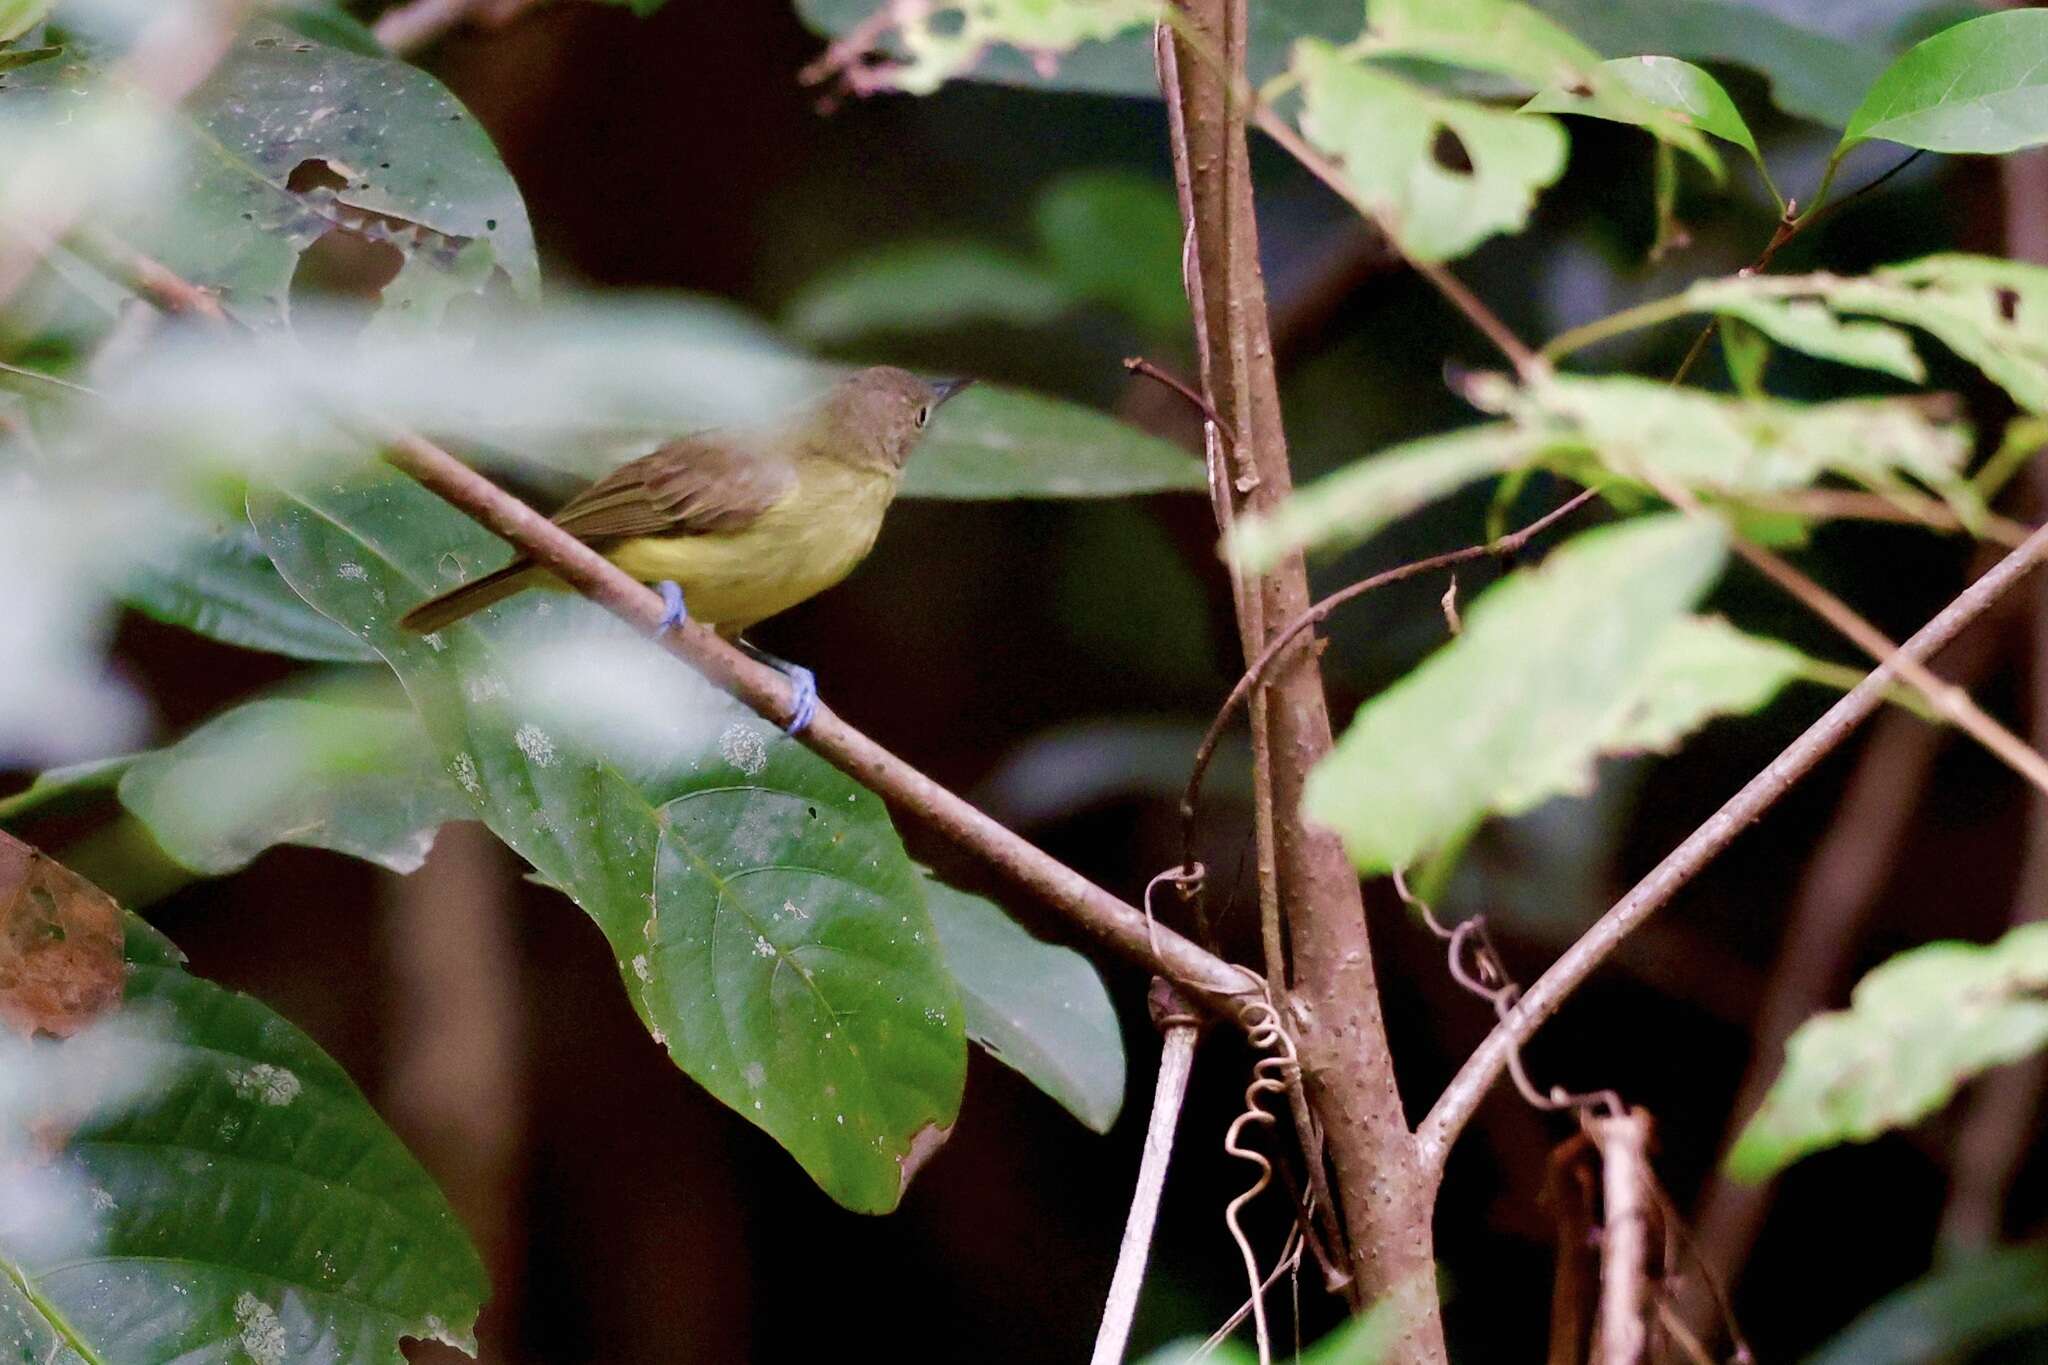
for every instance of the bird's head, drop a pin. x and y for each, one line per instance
(878, 416)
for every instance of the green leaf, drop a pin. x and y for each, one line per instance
(1349, 506)
(767, 925)
(940, 41)
(925, 286)
(19, 16)
(1702, 668)
(1520, 42)
(1394, 143)
(1812, 74)
(1916, 1029)
(995, 442)
(1674, 88)
(215, 579)
(1809, 325)
(340, 772)
(1952, 1314)
(1514, 710)
(365, 139)
(252, 1203)
(1746, 351)
(1115, 238)
(1981, 86)
(1038, 1009)
(1363, 1340)
(61, 784)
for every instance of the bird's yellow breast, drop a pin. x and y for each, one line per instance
(808, 541)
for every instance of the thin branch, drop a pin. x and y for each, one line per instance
(1454, 1108)
(1125, 928)
(1949, 701)
(1506, 545)
(1625, 1180)
(1180, 1028)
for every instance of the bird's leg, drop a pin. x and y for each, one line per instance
(802, 682)
(674, 613)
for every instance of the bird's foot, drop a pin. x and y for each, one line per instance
(803, 686)
(674, 613)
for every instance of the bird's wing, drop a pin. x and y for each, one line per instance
(699, 485)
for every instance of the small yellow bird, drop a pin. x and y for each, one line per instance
(735, 526)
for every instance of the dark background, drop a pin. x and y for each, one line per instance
(630, 1218)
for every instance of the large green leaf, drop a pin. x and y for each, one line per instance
(250, 1206)
(1981, 86)
(292, 138)
(1916, 1029)
(351, 773)
(1038, 1009)
(766, 922)
(215, 579)
(1674, 88)
(19, 16)
(995, 442)
(1390, 137)
(1550, 663)
(1952, 1314)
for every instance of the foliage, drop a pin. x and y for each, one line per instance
(1956, 1310)
(1977, 87)
(1916, 1028)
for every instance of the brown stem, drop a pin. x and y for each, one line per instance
(1334, 999)
(1461, 1097)
(1122, 926)
(1624, 1143)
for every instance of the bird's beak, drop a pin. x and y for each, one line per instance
(943, 389)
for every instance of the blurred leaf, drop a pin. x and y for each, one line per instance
(1808, 325)
(1916, 1028)
(1677, 89)
(1115, 238)
(19, 16)
(1439, 175)
(643, 8)
(1038, 1009)
(1636, 427)
(1552, 661)
(1701, 668)
(292, 138)
(937, 42)
(1951, 1314)
(1981, 86)
(60, 784)
(766, 923)
(217, 581)
(925, 286)
(1104, 237)
(338, 772)
(995, 442)
(253, 1203)
(60, 945)
(1746, 351)
(1350, 505)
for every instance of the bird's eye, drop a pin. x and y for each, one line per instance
(924, 414)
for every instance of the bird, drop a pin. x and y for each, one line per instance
(733, 526)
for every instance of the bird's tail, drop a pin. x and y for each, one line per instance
(451, 606)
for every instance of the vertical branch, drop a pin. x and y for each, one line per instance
(1624, 1143)
(1303, 872)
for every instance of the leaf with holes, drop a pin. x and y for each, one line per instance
(767, 924)
(342, 770)
(248, 1204)
(1039, 1009)
(1520, 42)
(1675, 89)
(1981, 86)
(1517, 707)
(292, 138)
(1440, 175)
(1809, 325)
(1916, 1029)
